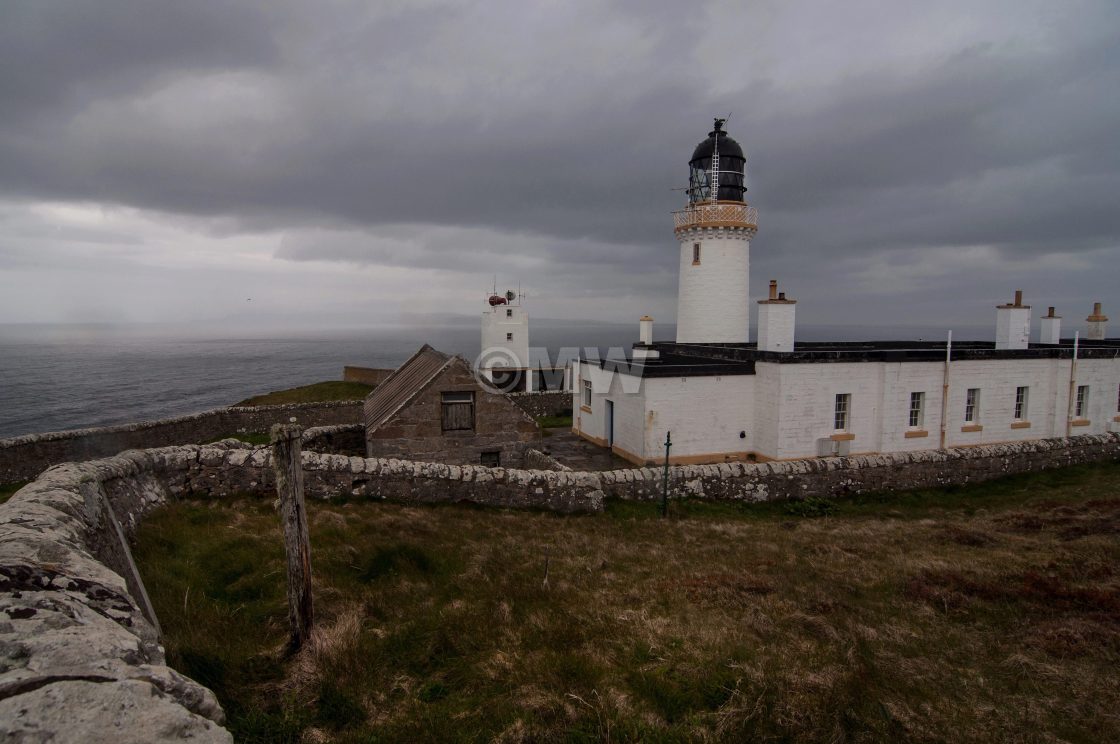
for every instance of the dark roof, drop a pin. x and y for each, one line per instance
(402, 386)
(727, 146)
(693, 360)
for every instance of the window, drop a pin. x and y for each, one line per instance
(509, 312)
(1081, 407)
(917, 409)
(840, 412)
(1021, 403)
(695, 254)
(457, 411)
(509, 337)
(586, 401)
(490, 459)
(971, 405)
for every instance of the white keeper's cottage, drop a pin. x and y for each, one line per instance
(724, 398)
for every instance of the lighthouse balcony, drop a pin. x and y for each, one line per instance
(720, 214)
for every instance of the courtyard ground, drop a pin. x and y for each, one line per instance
(984, 614)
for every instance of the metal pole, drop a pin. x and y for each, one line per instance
(665, 476)
(1072, 385)
(945, 389)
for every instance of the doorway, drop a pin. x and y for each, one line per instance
(610, 423)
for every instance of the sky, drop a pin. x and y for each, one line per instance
(356, 163)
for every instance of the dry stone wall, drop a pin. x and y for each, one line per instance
(79, 643)
(546, 403)
(22, 458)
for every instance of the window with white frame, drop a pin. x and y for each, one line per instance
(1021, 400)
(971, 405)
(586, 401)
(917, 409)
(1081, 406)
(840, 411)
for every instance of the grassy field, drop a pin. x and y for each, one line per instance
(7, 489)
(552, 422)
(983, 614)
(320, 392)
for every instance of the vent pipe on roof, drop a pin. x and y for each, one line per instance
(1097, 324)
(1050, 328)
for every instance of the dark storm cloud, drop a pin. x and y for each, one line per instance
(437, 135)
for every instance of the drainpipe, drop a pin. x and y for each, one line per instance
(1072, 386)
(945, 388)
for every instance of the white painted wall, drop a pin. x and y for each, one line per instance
(786, 408)
(713, 298)
(1049, 330)
(505, 319)
(776, 323)
(1013, 327)
(705, 415)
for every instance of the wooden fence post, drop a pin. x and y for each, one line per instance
(287, 465)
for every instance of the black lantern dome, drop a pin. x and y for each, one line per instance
(732, 165)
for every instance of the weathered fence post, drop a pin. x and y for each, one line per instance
(287, 465)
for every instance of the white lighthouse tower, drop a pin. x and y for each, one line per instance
(715, 231)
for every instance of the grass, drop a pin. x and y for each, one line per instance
(989, 613)
(319, 392)
(7, 489)
(552, 422)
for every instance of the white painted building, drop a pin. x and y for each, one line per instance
(506, 359)
(722, 398)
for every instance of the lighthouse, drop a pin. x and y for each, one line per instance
(714, 231)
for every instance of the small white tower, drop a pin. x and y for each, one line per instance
(1013, 324)
(715, 231)
(1097, 321)
(1050, 328)
(776, 321)
(505, 338)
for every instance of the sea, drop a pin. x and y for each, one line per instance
(67, 376)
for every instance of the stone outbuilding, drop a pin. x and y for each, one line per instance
(433, 408)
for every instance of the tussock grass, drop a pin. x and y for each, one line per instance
(319, 392)
(989, 613)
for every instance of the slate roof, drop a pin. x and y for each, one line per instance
(402, 386)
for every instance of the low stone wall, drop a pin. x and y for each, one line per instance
(537, 460)
(22, 458)
(548, 403)
(829, 477)
(80, 643)
(346, 439)
(368, 375)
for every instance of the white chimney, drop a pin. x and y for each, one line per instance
(1050, 328)
(1097, 323)
(1013, 324)
(644, 348)
(776, 321)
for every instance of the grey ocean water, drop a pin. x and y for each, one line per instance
(55, 377)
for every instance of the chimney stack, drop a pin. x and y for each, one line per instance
(1013, 324)
(776, 321)
(1097, 323)
(644, 348)
(1050, 328)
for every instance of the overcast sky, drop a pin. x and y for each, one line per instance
(357, 162)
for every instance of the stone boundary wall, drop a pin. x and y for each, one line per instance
(22, 458)
(537, 460)
(547, 403)
(345, 439)
(81, 648)
(828, 477)
(368, 375)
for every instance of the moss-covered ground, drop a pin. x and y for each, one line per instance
(981, 614)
